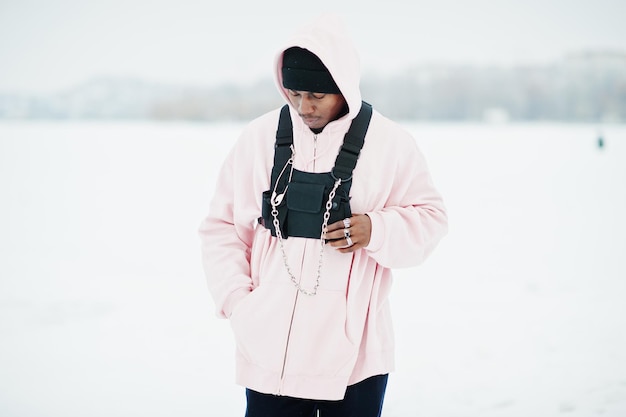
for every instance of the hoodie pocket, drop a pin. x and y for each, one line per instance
(260, 324)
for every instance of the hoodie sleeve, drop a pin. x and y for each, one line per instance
(413, 219)
(227, 233)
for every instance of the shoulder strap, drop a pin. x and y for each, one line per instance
(352, 144)
(284, 140)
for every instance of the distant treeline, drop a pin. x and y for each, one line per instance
(588, 87)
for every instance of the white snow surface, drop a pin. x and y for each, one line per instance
(104, 310)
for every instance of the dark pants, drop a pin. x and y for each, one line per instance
(364, 399)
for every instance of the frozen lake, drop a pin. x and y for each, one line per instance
(104, 310)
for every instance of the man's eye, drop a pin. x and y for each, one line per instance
(318, 96)
(294, 93)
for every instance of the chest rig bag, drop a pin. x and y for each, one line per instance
(305, 195)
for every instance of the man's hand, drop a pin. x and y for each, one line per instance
(350, 234)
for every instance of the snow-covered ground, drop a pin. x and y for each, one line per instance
(104, 310)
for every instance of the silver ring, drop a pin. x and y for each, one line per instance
(349, 241)
(346, 222)
(346, 233)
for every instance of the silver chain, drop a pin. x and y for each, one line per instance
(275, 201)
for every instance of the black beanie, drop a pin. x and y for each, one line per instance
(304, 71)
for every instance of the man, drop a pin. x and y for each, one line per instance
(304, 229)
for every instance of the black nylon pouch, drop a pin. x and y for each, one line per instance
(301, 212)
(306, 204)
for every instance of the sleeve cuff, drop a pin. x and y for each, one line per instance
(378, 232)
(232, 301)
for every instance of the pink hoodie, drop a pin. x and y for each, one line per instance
(315, 346)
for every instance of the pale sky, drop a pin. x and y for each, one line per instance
(47, 45)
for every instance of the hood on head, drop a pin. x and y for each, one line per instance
(327, 38)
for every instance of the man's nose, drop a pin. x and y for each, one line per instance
(306, 106)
